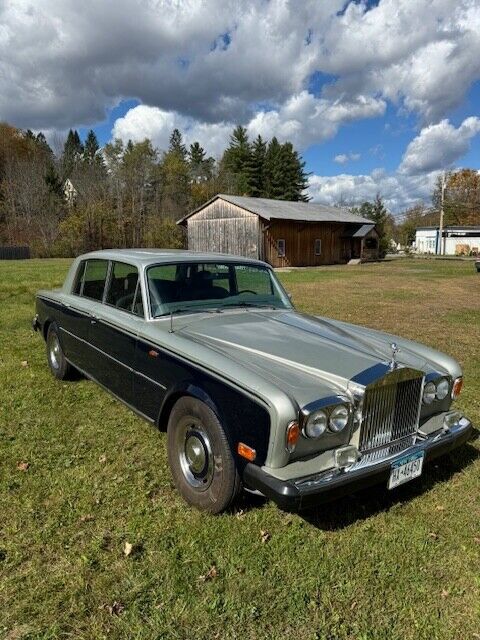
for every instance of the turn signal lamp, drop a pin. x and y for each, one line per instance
(457, 388)
(292, 436)
(246, 452)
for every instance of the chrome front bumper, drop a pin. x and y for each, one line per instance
(328, 485)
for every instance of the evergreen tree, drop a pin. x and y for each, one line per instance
(237, 158)
(176, 144)
(256, 168)
(377, 212)
(273, 179)
(91, 147)
(201, 167)
(72, 152)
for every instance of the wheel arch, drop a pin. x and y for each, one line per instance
(179, 391)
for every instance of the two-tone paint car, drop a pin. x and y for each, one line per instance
(250, 391)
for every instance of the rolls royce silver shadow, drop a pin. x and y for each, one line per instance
(251, 392)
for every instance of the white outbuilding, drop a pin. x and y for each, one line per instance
(456, 240)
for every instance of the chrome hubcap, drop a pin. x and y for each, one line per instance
(194, 452)
(55, 352)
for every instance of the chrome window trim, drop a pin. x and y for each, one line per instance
(112, 306)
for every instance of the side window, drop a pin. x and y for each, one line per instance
(318, 247)
(281, 248)
(138, 302)
(94, 279)
(78, 283)
(123, 286)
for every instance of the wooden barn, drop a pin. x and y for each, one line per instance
(283, 233)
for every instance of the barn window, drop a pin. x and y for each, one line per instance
(281, 248)
(318, 247)
(371, 243)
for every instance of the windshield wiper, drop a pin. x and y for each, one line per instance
(246, 304)
(175, 312)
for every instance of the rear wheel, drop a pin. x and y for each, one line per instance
(60, 368)
(200, 458)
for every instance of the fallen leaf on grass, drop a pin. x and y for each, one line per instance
(115, 609)
(440, 507)
(445, 593)
(353, 605)
(210, 575)
(433, 535)
(86, 518)
(477, 540)
(265, 536)
(23, 466)
(24, 363)
(127, 549)
(102, 459)
(240, 514)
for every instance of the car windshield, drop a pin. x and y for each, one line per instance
(199, 286)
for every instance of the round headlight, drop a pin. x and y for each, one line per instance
(338, 418)
(443, 388)
(429, 392)
(316, 424)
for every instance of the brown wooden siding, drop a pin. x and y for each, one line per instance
(225, 228)
(300, 243)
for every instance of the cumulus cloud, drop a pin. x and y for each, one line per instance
(397, 190)
(303, 119)
(343, 158)
(63, 63)
(438, 146)
(151, 122)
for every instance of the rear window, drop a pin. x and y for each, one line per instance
(124, 291)
(94, 278)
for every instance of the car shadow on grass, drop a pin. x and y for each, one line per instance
(365, 503)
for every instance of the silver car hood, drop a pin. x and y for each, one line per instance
(306, 356)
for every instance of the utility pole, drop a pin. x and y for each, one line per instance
(440, 231)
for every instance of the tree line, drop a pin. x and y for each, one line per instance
(82, 197)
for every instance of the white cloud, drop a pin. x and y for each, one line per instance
(303, 119)
(343, 158)
(63, 63)
(398, 191)
(151, 122)
(438, 146)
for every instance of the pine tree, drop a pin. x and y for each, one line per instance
(273, 179)
(176, 144)
(256, 168)
(201, 167)
(236, 160)
(91, 147)
(72, 152)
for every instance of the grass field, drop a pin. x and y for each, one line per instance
(81, 476)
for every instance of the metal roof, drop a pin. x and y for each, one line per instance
(363, 231)
(286, 210)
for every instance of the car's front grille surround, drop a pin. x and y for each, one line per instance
(390, 413)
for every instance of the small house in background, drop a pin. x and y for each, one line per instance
(456, 240)
(283, 233)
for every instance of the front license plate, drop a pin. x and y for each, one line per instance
(406, 469)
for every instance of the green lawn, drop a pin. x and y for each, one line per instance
(402, 565)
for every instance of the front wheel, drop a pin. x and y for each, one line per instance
(200, 458)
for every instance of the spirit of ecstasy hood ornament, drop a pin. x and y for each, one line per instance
(393, 361)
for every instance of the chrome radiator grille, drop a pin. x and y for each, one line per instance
(390, 413)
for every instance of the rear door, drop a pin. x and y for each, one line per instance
(78, 312)
(113, 331)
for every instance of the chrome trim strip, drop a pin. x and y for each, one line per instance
(89, 344)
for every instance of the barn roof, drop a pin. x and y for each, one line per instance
(286, 210)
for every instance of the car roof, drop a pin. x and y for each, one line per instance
(145, 257)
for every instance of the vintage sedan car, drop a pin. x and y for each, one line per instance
(250, 391)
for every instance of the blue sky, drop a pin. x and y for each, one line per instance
(379, 96)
